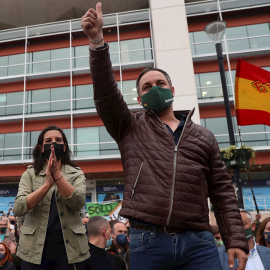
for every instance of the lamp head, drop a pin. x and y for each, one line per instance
(216, 30)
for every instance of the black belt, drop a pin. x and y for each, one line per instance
(152, 227)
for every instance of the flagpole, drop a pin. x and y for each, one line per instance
(249, 180)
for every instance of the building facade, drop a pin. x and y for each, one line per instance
(45, 80)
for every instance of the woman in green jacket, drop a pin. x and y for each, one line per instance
(51, 195)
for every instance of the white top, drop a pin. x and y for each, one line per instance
(254, 260)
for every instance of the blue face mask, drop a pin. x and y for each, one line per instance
(2, 256)
(109, 241)
(121, 239)
(266, 236)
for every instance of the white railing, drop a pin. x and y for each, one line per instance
(263, 203)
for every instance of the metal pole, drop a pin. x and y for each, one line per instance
(225, 92)
(236, 176)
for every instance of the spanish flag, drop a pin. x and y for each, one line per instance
(252, 95)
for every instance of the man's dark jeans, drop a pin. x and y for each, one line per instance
(190, 250)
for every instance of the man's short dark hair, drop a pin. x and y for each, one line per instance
(96, 224)
(144, 71)
(113, 222)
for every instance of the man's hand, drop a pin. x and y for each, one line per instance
(92, 23)
(258, 217)
(240, 255)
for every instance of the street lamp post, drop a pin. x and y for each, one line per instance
(216, 30)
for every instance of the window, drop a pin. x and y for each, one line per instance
(18, 61)
(108, 146)
(83, 95)
(219, 127)
(130, 92)
(14, 99)
(60, 93)
(135, 50)
(56, 56)
(81, 57)
(12, 140)
(87, 135)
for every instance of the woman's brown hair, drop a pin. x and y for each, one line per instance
(8, 255)
(259, 236)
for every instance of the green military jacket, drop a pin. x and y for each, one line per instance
(34, 228)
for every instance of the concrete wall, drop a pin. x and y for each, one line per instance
(172, 51)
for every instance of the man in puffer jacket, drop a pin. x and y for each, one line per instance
(171, 167)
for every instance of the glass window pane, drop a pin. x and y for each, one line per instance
(13, 140)
(57, 55)
(114, 52)
(258, 29)
(60, 93)
(18, 60)
(217, 125)
(14, 99)
(205, 48)
(132, 44)
(260, 42)
(40, 96)
(3, 100)
(3, 62)
(236, 32)
(110, 147)
(84, 97)
(87, 135)
(43, 66)
(130, 92)
(83, 53)
(2, 136)
(147, 43)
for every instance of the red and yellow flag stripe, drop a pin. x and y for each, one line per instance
(252, 94)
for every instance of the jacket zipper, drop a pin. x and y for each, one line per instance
(174, 170)
(133, 189)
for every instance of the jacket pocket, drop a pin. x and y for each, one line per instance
(26, 239)
(136, 180)
(204, 195)
(81, 239)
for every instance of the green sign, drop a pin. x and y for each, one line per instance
(103, 209)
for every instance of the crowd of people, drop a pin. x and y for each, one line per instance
(172, 166)
(108, 242)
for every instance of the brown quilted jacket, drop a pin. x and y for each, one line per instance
(165, 184)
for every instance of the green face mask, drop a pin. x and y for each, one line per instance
(157, 99)
(248, 232)
(3, 229)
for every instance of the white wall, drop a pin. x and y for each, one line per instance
(172, 51)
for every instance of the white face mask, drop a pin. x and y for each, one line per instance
(109, 241)
(11, 227)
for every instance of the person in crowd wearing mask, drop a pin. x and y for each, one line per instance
(171, 166)
(120, 244)
(263, 234)
(5, 258)
(259, 256)
(51, 194)
(12, 223)
(100, 238)
(5, 234)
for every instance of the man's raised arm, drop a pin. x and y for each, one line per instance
(109, 101)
